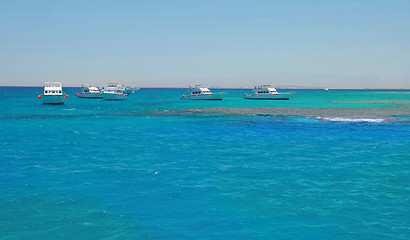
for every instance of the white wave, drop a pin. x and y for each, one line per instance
(342, 119)
(69, 109)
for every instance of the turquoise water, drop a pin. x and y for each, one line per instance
(323, 165)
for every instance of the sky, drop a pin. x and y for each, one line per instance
(217, 43)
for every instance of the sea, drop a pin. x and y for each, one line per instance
(323, 165)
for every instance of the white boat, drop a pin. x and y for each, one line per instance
(199, 93)
(89, 92)
(266, 92)
(114, 91)
(53, 93)
(130, 90)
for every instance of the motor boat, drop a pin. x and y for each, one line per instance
(89, 92)
(114, 91)
(266, 92)
(130, 90)
(53, 93)
(200, 93)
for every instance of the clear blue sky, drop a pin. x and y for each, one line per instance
(349, 43)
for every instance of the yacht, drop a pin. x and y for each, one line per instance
(130, 90)
(200, 93)
(114, 91)
(89, 92)
(53, 93)
(266, 92)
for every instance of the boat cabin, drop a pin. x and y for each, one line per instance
(264, 89)
(53, 88)
(200, 91)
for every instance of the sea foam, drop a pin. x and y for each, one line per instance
(342, 119)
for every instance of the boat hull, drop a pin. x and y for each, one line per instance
(203, 97)
(53, 99)
(278, 96)
(90, 95)
(114, 96)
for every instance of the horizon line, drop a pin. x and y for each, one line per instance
(239, 87)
